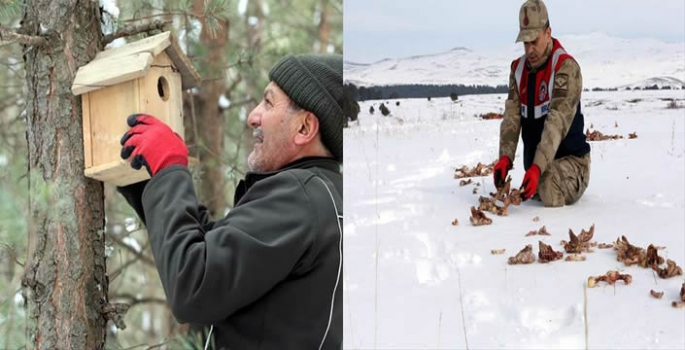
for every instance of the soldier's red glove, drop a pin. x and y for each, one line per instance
(500, 171)
(152, 144)
(530, 182)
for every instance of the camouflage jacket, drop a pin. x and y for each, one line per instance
(549, 130)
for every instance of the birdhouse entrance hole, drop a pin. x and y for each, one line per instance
(163, 88)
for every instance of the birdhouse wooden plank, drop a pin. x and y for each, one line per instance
(147, 76)
(111, 71)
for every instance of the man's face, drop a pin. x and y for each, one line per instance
(535, 49)
(273, 121)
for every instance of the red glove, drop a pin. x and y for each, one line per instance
(530, 182)
(500, 171)
(152, 144)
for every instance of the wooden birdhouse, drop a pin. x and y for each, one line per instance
(145, 76)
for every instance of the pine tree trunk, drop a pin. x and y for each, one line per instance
(209, 117)
(64, 281)
(324, 28)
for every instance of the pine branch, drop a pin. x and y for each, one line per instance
(136, 29)
(116, 313)
(233, 85)
(11, 35)
(337, 6)
(164, 14)
(132, 300)
(9, 8)
(241, 103)
(131, 250)
(122, 267)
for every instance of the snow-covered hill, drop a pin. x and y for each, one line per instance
(605, 61)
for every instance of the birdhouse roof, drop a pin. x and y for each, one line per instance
(132, 61)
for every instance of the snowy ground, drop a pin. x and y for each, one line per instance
(432, 285)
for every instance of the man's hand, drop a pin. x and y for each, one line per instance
(501, 170)
(152, 144)
(530, 182)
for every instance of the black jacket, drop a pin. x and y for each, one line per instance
(269, 274)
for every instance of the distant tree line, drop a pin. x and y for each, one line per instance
(420, 91)
(627, 88)
(354, 94)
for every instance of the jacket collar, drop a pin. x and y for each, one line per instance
(303, 163)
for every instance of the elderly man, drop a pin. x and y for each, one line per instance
(543, 106)
(268, 275)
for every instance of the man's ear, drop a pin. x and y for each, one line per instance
(307, 128)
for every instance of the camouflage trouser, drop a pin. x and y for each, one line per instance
(564, 181)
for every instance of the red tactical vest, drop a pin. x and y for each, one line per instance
(544, 80)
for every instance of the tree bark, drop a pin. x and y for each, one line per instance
(209, 117)
(324, 28)
(64, 281)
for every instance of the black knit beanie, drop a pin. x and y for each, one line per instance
(314, 82)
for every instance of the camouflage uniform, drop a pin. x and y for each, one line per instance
(562, 180)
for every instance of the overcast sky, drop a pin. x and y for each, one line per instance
(377, 29)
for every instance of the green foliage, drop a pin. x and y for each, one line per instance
(185, 6)
(13, 205)
(13, 186)
(10, 9)
(214, 12)
(13, 232)
(454, 97)
(12, 318)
